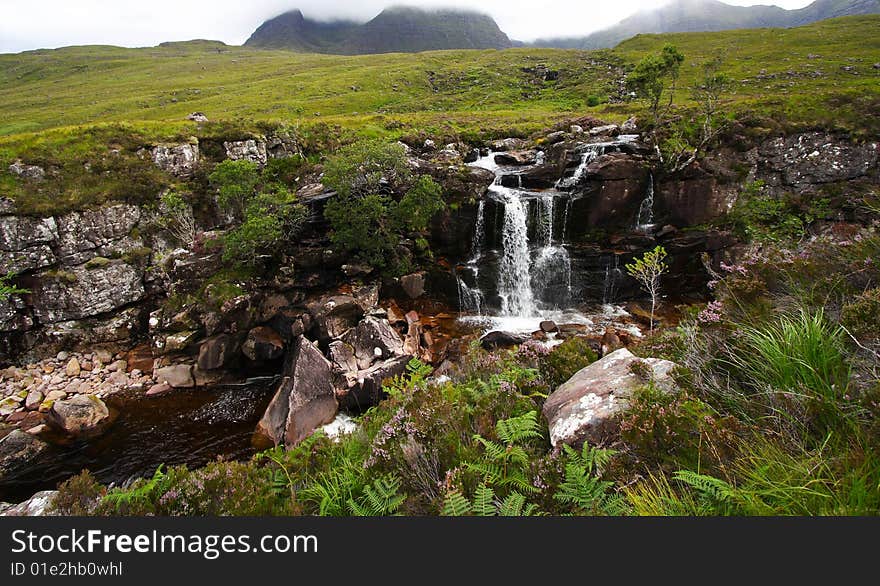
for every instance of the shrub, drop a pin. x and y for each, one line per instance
(565, 360)
(176, 216)
(861, 316)
(236, 182)
(78, 495)
(270, 219)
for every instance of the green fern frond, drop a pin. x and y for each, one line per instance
(518, 429)
(710, 487)
(380, 499)
(455, 505)
(515, 506)
(484, 501)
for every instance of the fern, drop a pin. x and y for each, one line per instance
(415, 376)
(456, 505)
(519, 429)
(485, 504)
(141, 493)
(582, 488)
(709, 487)
(380, 499)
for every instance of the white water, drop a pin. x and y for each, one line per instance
(514, 279)
(645, 220)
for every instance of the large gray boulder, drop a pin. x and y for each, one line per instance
(305, 400)
(367, 390)
(39, 505)
(217, 351)
(587, 407)
(373, 339)
(83, 415)
(85, 291)
(333, 316)
(17, 449)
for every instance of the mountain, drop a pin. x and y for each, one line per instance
(399, 29)
(712, 15)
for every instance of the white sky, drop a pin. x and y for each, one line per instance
(32, 24)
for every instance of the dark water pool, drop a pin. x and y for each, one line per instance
(184, 427)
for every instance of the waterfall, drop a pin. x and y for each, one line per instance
(612, 274)
(479, 228)
(565, 218)
(470, 299)
(645, 219)
(514, 280)
(591, 154)
(544, 221)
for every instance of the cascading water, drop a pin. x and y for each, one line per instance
(645, 219)
(612, 275)
(514, 279)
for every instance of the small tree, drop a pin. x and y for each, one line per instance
(177, 218)
(647, 271)
(236, 183)
(654, 76)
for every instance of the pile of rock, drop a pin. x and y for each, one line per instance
(49, 391)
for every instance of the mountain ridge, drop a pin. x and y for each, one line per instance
(397, 29)
(710, 16)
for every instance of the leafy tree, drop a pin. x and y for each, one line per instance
(367, 217)
(269, 220)
(177, 217)
(647, 271)
(656, 75)
(236, 183)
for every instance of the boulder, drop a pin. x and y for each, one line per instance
(367, 392)
(17, 449)
(39, 505)
(197, 117)
(342, 357)
(217, 351)
(549, 326)
(176, 375)
(83, 415)
(413, 284)
(140, 358)
(73, 368)
(248, 150)
(814, 158)
(159, 389)
(587, 407)
(180, 160)
(305, 399)
(33, 400)
(374, 339)
(180, 341)
(497, 339)
(516, 158)
(606, 130)
(263, 344)
(508, 144)
(333, 316)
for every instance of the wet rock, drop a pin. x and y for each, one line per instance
(374, 339)
(496, 339)
(83, 415)
(516, 158)
(508, 144)
(367, 392)
(180, 160)
(548, 326)
(18, 449)
(39, 505)
(217, 351)
(263, 344)
(610, 342)
(305, 400)
(608, 130)
(248, 150)
(333, 316)
(631, 126)
(176, 375)
(586, 408)
(414, 284)
(159, 389)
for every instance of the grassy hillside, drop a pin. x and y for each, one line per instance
(80, 85)
(83, 112)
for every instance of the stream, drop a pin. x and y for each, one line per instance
(188, 427)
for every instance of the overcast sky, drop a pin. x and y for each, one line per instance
(33, 24)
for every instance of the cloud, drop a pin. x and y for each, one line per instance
(135, 23)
